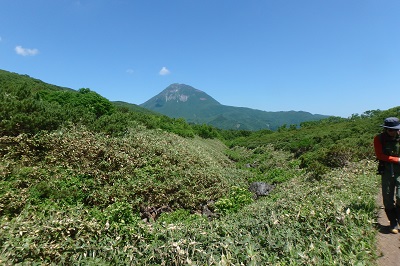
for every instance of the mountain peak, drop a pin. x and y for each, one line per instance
(181, 94)
(196, 106)
(184, 93)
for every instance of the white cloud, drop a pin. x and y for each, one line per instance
(130, 71)
(25, 51)
(164, 71)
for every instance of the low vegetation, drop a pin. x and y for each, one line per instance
(87, 182)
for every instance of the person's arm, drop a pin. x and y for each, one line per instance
(379, 152)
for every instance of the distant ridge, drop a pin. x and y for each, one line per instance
(184, 101)
(196, 106)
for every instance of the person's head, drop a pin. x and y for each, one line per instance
(391, 125)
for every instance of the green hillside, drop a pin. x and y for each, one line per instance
(133, 107)
(84, 181)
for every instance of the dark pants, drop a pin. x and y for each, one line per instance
(390, 187)
(391, 196)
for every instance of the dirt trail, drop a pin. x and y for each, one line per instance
(388, 244)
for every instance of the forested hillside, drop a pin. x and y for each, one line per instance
(84, 181)
(196, 106)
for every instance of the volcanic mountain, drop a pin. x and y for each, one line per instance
(196, 106)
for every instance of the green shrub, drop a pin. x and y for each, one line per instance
(317, 170)
(121, 213)
(338, 156)
(179, 216)
(237, 198)
(75, 166)
(278, 175)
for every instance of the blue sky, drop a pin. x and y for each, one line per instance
(331, 57)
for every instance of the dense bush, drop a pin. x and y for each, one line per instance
(325, 144)
(29, 106)
(74, 166)
(79, 174)
(268, 164)
(21, 111)
(301, 223)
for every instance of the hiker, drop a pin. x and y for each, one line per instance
(387, 146)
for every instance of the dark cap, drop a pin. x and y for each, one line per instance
(392, 123)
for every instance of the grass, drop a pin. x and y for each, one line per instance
(74, 197)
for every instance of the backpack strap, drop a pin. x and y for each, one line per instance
(381, 166)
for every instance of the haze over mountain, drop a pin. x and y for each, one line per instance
(196, 106)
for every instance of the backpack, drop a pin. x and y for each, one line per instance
(381, 164)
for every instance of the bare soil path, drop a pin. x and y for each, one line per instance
(388, 244)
